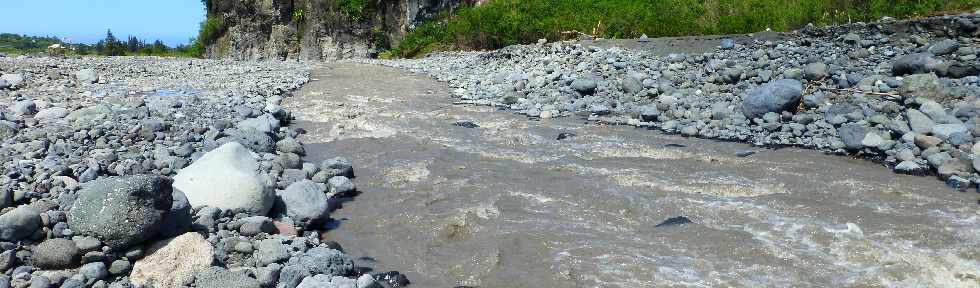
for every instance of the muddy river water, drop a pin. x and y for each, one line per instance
(506, 204)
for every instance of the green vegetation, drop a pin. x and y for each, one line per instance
(17, 44)
(299, 20)
(380, 37)
(353, 9)
(506, 22)
(212, 28)
(110, 46)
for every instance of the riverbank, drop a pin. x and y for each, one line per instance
(900, 92)
(162, 172)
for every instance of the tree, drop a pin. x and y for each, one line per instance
(111, 46)
(159, 47)
(134, 44)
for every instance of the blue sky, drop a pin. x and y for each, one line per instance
(86, 21)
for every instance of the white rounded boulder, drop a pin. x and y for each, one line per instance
(228, 178)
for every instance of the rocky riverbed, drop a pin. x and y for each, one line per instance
(904, 93)
(155, 172)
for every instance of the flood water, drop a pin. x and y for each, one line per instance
(506, 204)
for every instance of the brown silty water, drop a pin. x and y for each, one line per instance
(505, 204)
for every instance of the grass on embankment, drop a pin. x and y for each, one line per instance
(500, 23)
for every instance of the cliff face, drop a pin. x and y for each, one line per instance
(315, 29)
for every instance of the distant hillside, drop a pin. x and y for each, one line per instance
(110, 46)
(13, 43)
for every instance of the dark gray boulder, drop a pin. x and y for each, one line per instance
(631, 85)
(913, 64)
(290, 145)
(255, 140)
(340, 185)
(178, 220)
(946, 46)
(58, 253)
(340, 166)
(304, 201)
(852, 135)
(815, 71)
(19, 223)
(777, 96)
(217, 277)
(322, 260)
(585, 85)
(270, 251)
(122, 211)
(94, 271)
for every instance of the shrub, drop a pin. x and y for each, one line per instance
(211, 29)
(499, 23)
(353, 9)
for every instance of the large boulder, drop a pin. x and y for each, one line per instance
(19, 223)
(945, 131)
(58, 253)
(777, 96)
(852, 135)
(946, 46)
(926, 86)
(815, 71)
(305, 202)
(265, 123)
(179, 219)
(121, 211)
(52, 113)
(87, 76)
(585, 85)
(270, 251)
(90, 114)
(173, 262)
(228, 178)
(26, 107)
(919, 122)
(13, 80)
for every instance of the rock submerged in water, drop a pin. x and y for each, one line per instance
(122, 211)
(778, 96)
(227, 178)
(674, 221)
